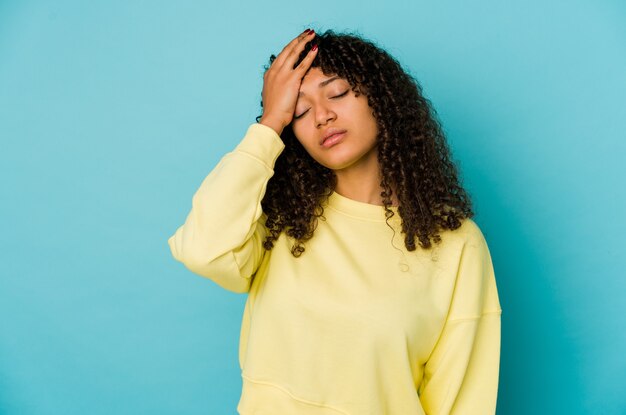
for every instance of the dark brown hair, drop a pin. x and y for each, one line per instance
(413, 155)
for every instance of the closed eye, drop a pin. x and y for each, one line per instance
(340, 95)
(336, 96)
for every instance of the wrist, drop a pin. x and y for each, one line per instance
(275, 125)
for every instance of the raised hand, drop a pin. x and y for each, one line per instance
(281, 82)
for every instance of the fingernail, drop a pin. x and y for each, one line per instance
(314, 47)
(307, 31)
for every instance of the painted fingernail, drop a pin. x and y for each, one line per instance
(314, 47)
(307, 31)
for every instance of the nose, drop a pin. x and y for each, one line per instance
(323, 114)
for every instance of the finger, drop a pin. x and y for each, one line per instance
(296, 51)
(297, 44)
(304, 65)
(289, 48)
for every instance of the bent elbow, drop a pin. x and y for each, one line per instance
(223, 270)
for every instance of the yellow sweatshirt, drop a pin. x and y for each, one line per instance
(357, 325)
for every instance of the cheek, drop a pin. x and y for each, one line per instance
(304, 137)
(309, 143)
(298, 131)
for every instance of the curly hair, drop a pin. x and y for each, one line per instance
(412, 152)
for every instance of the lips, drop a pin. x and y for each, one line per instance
(331, 132)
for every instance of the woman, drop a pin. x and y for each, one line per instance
(348, 159)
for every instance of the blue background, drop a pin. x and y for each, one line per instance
(112, 113)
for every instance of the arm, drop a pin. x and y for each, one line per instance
(461, 375)
(222, 236)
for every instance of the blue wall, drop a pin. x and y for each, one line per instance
(112, 113)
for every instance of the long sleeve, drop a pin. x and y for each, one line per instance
(223, 234)
(461, 375)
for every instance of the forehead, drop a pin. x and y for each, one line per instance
(315, 80)
(315, 75)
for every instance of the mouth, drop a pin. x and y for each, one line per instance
(333, 139)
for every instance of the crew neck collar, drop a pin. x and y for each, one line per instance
(358, 209)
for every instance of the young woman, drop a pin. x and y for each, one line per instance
(370, 289)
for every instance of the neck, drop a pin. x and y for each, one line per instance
(361, 182)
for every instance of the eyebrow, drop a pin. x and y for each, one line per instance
(322, 84)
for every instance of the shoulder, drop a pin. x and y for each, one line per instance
(466, 241)
(469, 233)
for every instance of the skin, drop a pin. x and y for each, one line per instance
(290, 93)
(354, 158)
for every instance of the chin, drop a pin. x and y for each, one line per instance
(343, 158)
(336, 164)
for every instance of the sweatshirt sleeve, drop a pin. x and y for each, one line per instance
(461, 375)
(222, 237)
